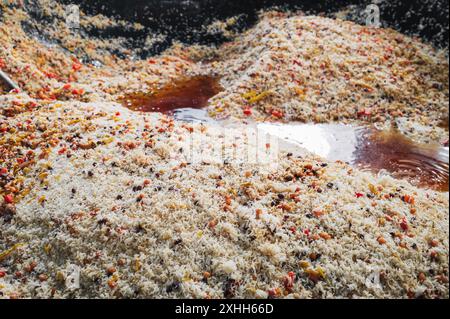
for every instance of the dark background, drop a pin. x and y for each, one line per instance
(405, 15)
(183, 20)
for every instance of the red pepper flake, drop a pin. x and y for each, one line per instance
(365, 112)
(31, 266)
(381, 240)
(359, 195)
(67, 86)
(285, 207)
(278, 114)
(147, 182)
(189, 128)
(404, 224)
(72, 78)
(318, 213)
(112, 283)
(289, 281)
(110, 270)
(258, 213)
(76, 66)
(408, 199)
(50, 75)
(442, 279)
(434, 255)
(248, 111)
(2, 274)
(3, 171)
(2, 64)
(32, 104)
(422, 277)
(307, 232)
(62, 151)
(77, 91)
(433, 243)
(273, 292)
(325, 236)
(9, 199)
(213, 223)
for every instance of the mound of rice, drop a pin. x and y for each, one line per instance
(314, 69)
(102, 202)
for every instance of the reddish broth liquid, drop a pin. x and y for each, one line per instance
(444, 122)
(186, 93)
(423, 165)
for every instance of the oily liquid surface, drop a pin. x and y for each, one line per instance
(187, 93)
(424, 165)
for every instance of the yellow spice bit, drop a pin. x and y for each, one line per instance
(60, 277)
(251, 290)
(72, 122)
(373, 189)
(166, 236)
(186, 277)
(258, 97)
(108, 140)
(47, 249)
(137, 265)
(25, 192)
(321, 272)
(304, 264)
(249, 95)
(31, 199)
(9, 251)
(316, 273)
(300, 92)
